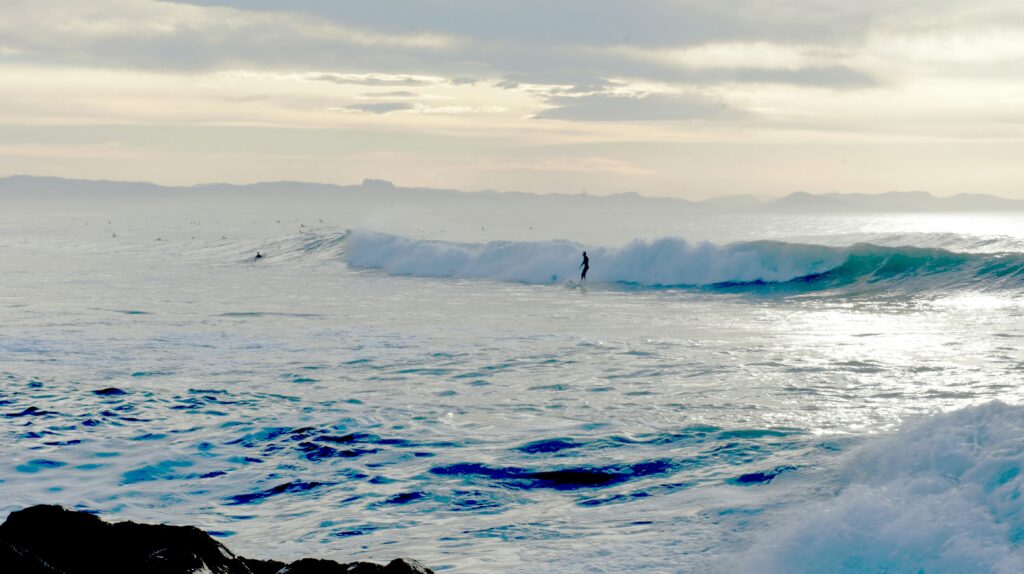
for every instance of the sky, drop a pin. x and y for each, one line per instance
(681, 98)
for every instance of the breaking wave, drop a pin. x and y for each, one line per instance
(674, 262)
(942, 495)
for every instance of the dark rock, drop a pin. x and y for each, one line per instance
(263, 566)
(53, 540)
(14, 559)
(73, 542)
(314, 566)
(406, 566)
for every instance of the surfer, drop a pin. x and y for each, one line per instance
(258, 256)
(586, 267)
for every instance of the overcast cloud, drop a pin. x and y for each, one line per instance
(818, 86)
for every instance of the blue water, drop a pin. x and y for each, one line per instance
(840, 401)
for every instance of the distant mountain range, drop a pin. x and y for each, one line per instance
(892, 201)
(24, 186)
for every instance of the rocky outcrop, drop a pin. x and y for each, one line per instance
(52, 540)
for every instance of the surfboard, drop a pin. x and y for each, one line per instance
(570, 284)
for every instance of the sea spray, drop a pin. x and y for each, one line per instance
(942, 495)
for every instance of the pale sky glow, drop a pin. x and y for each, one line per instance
(664, 97)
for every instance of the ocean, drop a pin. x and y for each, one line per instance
(725, 393)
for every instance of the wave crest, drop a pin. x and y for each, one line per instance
(674, 262)
(663, 262)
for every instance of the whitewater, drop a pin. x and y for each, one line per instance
(730, 393)
(673, 262)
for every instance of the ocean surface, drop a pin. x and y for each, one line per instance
(730, 393)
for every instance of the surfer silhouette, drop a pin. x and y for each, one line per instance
(586, 267)
(259, 255)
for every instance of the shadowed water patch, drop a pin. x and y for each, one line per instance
(113, 415)
(757, 433)
(109, 392)
(761, 477)
(358, 530)
(286, 488)
(317, 452)
(317, 444)
(549, 446)
(474, 501)
(31, 412)
(656, 490)
(141, 374)
(36, 465)
(429, 371)
(258, 438)
(68, 442)
(552, 387)
(560, 479)
(405, 498)
(164, 470)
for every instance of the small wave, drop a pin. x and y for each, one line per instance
(950, 241)
(676, 263)
(296, 486)
(320, 245)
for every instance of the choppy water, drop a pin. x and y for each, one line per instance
(700, 407)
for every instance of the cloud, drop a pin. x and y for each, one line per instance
(654, 23)
(184, 37)
(386, 107)
(758, 62)
(461, 79)
(821, 76)
(600, 85)
(650, 107)
(374, 79)
(379, 108)
(396, 94)
(978, 45)
(591, 88)
(533, 41)
(459, 110)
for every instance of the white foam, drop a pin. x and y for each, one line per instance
(943, 495)
(668, 261)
